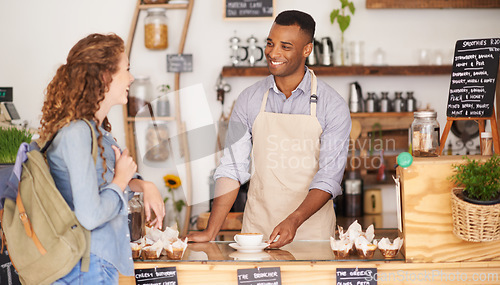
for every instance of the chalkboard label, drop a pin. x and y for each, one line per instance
(356, 276)
(261, 276)
(8, 274)
(179, 62)
(473, 78)
(249, 9)
(156, 276)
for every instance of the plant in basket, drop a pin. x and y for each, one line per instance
(476, 201)
(481, 181)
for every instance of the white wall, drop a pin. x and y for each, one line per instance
(37, 35)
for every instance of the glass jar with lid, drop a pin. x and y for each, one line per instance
(140, 95)
(425, 134)
(156, 29)
(136, 217)
(157, 141)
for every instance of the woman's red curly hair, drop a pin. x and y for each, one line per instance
(79, 86)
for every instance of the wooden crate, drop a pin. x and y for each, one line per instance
(427, 220)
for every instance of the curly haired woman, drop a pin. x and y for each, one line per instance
(95, 77)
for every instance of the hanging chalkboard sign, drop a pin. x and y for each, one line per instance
(473, 78)
(179, 62)
(157, 275)
(353, 276)
(236, 9)
(259, 275)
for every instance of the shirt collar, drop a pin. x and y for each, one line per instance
(304, 85)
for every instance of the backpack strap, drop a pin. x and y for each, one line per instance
(27, 224)
(86, 255)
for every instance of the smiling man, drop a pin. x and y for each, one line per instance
(297, 129)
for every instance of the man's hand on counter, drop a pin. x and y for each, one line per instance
(283, 233)
(202, 236)
(287, 229)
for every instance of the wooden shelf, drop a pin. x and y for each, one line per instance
(382, 115)
(434, 4)
(229, 71)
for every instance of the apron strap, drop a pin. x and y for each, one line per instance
(264, 101)
(314, 97)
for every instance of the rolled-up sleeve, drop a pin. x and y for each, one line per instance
(235, 162)
(334, 147)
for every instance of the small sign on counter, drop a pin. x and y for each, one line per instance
(179, 62)
(355, 276)
(473, 78)
(259, 275)
(157, 275)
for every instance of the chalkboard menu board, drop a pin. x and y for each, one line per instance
(248, 9)
(473, 78)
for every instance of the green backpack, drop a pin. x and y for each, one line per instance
(44, 238)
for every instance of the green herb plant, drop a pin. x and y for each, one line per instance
(344, 20)
(10, 140)
(481, 181)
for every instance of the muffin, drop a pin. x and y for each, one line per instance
(136, 250)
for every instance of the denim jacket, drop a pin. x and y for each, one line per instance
(99, 205)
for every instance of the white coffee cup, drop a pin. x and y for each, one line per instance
(248, 239)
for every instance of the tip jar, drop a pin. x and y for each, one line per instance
(425, 134)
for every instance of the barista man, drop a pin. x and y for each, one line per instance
(297, 129)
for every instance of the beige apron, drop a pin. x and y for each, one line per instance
(285, 160)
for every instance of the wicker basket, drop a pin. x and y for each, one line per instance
(475, 223)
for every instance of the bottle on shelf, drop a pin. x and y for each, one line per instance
(162, 102)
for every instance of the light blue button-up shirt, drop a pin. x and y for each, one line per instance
(100, 206)
(332, 113)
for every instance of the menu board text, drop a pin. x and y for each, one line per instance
(473, 78)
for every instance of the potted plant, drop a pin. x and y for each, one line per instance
(344, 20)
(476, 199)
(10, 140)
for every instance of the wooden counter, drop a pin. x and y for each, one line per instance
(313, 262)
(427, 220)
(432, 254)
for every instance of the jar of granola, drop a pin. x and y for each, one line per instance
(156, 29)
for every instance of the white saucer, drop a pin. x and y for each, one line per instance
(249, 249)
(250, 256)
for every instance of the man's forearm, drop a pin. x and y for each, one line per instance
(226, 191)
(314, 200)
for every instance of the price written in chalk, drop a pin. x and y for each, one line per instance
(473, 78)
